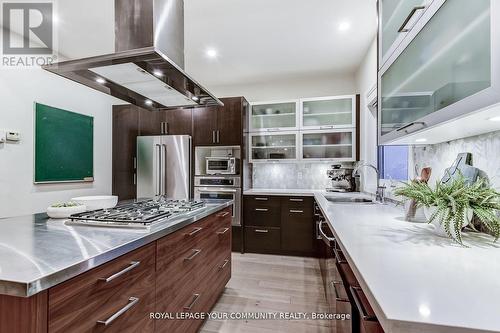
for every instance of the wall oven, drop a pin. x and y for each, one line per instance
(220, 187)
(223, 165)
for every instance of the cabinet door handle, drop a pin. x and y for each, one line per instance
(405, 128)
(262, 231)
(224, 265)
(296, 211)
(261, 209)
(337, 297)
(408, 18)
(223, 231)
(133, 264)
(218, 136)
(193, 302)
(131, 302)
(262, 199)
(359, 305)
(223, 214)
(322, 233)
(213, 136)
(192, 256)
(195, 231)
(296, 200)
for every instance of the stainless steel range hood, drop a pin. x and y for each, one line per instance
(147, 68)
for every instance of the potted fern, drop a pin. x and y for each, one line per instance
(450, 207)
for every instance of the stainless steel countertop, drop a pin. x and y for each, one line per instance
(37, 253)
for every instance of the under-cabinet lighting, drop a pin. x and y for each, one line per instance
(149, 102)
(100, 80)
(495, 119)
(158, 73)
(421, 140)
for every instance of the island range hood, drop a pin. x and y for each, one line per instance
(147, 68)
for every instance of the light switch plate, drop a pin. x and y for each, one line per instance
(13, 136)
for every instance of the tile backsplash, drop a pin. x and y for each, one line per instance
(485, 151)
(291, 176)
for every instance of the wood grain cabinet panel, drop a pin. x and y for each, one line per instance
(88, 303)
(24, 315)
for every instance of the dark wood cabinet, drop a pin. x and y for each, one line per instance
(125, 132)
(282, 225)
(177, 122)
(297, 226)
(220, 125)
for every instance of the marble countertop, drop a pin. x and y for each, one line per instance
(289, 192)
(415, 280)
(37, 253)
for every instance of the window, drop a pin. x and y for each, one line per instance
(393, 162)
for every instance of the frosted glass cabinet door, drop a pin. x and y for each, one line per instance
(397, 17)
(447, 61)
(273, 116)
(328, 112)
(321, 145)
(281, 146)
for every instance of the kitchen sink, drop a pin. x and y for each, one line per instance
(349, 200)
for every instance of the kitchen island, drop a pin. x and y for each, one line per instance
(414, 280)
(57, 277)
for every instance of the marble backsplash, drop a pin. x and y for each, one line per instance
(291, 176)
(485, 151)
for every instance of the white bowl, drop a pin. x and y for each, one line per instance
(64, 212)
(97, 201)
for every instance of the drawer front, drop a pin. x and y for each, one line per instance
(261, 201)
(262, 239)
(368, 322)
(344, 308)
(262, 216)
(304, 205)
(345, 270)
(297, 232)
(87, 303)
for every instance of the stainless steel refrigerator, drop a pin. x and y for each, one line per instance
(164, 166)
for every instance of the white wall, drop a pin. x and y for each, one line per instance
(19, 89)
(366, 78)
(294, 87)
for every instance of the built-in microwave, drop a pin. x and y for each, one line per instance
(223, 165)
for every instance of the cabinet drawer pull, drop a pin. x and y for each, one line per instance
(338, 257)
(195, 231)
(193, 302)
(359, 305)
(296, 211)
(296, 200)
(262, 231)
(261, 209)
(402, 28)
(262, 199)
(224, 265)
(406, 128)
(131, 302)
(133, 264)
(223, 231)
(337, 297)
(192, 256)
(223, 214)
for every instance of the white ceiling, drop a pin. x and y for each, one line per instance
(260, 40)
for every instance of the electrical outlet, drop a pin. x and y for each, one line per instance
(13, 136)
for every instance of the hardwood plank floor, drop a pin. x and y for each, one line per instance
(269, 283)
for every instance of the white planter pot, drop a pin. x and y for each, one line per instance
(439, 227)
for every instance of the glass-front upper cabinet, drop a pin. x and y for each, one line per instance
(274, 116)
(337, 145)
(273, 147)
(397, 18)
(444, 70)
(328, 112)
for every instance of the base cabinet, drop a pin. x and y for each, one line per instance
(184, 272)
(279, 225)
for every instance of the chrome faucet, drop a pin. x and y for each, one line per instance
(380, 194)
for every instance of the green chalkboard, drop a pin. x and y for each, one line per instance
(64, 146)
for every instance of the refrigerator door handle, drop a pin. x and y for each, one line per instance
(164, 171)
(158, 171)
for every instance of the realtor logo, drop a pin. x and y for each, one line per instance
(27, 33)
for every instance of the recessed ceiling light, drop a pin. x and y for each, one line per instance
(195, 98)
(344, 26)
(149, 102)
(158, 73)
(100, 80)
(421, 140)
(211, 53)
(495, 119)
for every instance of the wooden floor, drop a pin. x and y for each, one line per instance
(268, 283)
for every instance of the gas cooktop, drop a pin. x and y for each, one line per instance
(140, 214)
